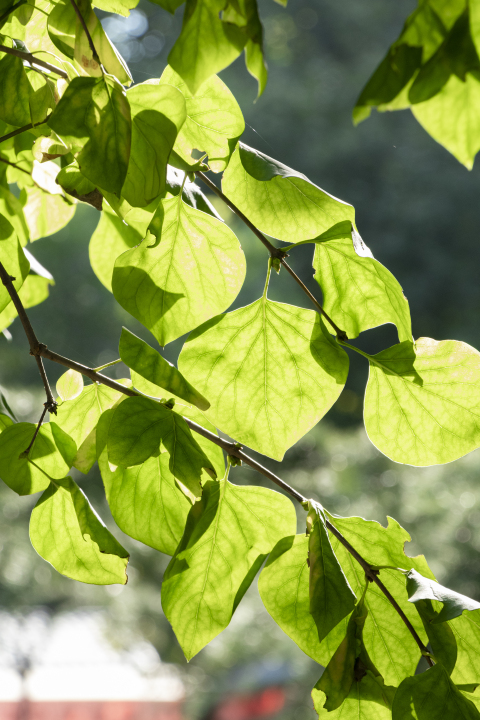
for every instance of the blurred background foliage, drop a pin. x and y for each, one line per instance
(418, 210)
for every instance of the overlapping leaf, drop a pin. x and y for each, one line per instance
(67, 532)
(278, 200)
(420, 588)
(45, 213)
(270, 371)
(194, 271)
(227, 537)
(367, 700)
(12, 258)
(421, 402)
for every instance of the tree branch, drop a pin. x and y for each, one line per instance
(33, 60)
(23, 129)
(274, 252)
(14, 165)
(87, 32)
(12, 9)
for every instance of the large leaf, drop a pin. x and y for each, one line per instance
(147, 362)
(213, 124)
(79, 417)
(331, 597)
(421, 588)
(67, 532)
(228, 535)
(466, 629)
(270, 370)
(158, 113)
(432, 696)
(278, 200)
(14, 91)
(368, 699)
(30, 475)
(45, 213)
(93, 116)
(110, 239)
(359, 292)
(284, 588)
(206, 44)
(138, 427)
(13, 260)
(421, 402)
(194, 271)
(145, 501)
(387, 640)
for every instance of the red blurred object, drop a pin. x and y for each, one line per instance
(262, 704)
(86, 710)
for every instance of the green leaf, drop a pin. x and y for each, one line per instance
(206, 44)
(13, 260)
(421, 401)
(432, 696)
(278, 200)
(34, 290)
(11, 209)
(228, 535)
(145, 501)
(195, 271)
(459, 101)
(138, 427)
(147, 362)
(440, 635)
(420, 588)
(93, 115)
(284, 588)
(110, 239)
(213, 124)
(79, 418)
(67, 532)
(270, 370)
(45, 213)
(14, 92)
(121, 7)
(359, 292)
(244, 14)
(70, 385)
(5, 421)
(28, 476)
(331, 597)
(466, 629)
(74, 183)
(368, 699)
(387, 640)
(191, 193)
(169, 5)
(158, 113)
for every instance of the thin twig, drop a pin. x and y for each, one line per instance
(8, 281)
(33, 60)
(87, 32)
(17, 167)
(12, 9)
(23, 129)
(274, 252)
(231, 448)
(42, 416)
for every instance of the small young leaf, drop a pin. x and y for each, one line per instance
(421, 588)
(93, 115)
(13, 260)
(331, 597)
(29, 476)
(421, 401)
(432, 696)
(158, 113)
(278, 200)
(213, 124)
(194, 271)
(70, 385)
(270, 370)
(110, 239)
(227, 537)
(67, 532)
(359, 292)
(147, 362)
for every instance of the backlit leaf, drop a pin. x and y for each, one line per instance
(270, 371)
(14, 91)
(420, 588)
(34, 290)
(278, 200)
(110, 239)
(195, 271)
(368, 699)
(440, 636)
(13, 260)
(5, 422)
(421, 401)
(228, 535)
(70, 385)
(67, 532)
(46, 214)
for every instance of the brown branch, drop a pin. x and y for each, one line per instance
(33, 60)
(23, 129)
(274, 252)
(17, 167)
(87, 32)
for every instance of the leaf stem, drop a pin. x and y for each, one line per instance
(39, 425)
(274, 252)
(33, 60)
(370, 358)
(114, 362)
(87, 33)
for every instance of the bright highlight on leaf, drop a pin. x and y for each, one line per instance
(421, 402)
(70, 385)
(420, 588)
